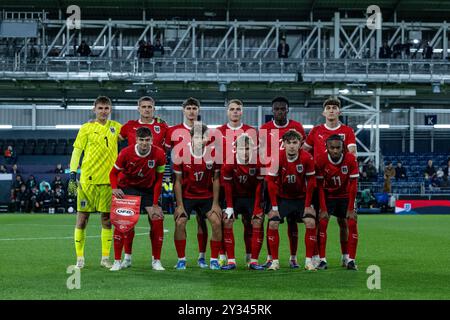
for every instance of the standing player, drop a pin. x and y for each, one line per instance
(316, 143)
(291, 186)
(98, 140)
(139, 170)
(337, 175)
(178, 137)
(270, 131)
(230, 131)
(243, 191)
(197, 188)
(146, 108)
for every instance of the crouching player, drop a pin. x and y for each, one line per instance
(139, 170)
(291, 185)
(197, 189)
(337, 175)
(243, 192)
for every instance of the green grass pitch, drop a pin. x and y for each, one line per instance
(411, 251)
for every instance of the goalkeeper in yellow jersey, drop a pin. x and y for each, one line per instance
(98, 140)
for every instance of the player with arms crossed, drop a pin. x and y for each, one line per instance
(226, 145)
(291, 186)
(197, 189)
(243, 191)
(159, 129)
(98, 140)
(139, 170)
(316, 143)
(337, 177)
(269, 131)
(178, 137)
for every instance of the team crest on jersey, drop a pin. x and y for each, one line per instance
(209, 166)
(157, 129)
(252, 171)
(344, 169)
(299, 168)
(113, 130)
(342, 135)
(151, 163)
(83, 204)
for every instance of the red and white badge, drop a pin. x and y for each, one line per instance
(125, 212)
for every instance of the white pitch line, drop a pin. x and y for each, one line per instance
(55, 238)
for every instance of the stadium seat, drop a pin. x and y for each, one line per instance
(62, 141)
(10, 142)
(60, 149)
(28, 149)
(50, 148)
(69, 149)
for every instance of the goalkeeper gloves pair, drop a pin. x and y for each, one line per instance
(72, 186)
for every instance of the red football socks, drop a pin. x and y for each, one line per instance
(228, 240)
(352, 238)
(118, 244)
(273, 239)
(323, 225)
(157, 238)
(257, 241)
(310, 241)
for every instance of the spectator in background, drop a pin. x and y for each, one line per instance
(10, 155)
(363, 177)
(3, 169)
(400, 172)
(427, 51)
(389, 173)
(397, 51)
(31, 182)
(447, 169)
(23, 199)
(59, 169)
(84, 50)
(15, 169)
(158, 47)
(17, 183)
(430, 171)
(59, 197)
(34, 200)
(385, 51)
(45, 198)
(44, 184)
(371, 172)
(283, 48)
(57, 182)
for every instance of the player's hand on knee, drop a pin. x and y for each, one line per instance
(351, 214)
(216, 209)
(118, 193)
(178, 212)
(323, 214)
(228, 214)
(273, 214)
(156, 213)
(258, 214)
(310, 211)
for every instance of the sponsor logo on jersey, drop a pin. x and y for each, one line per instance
(151, 163)
(113, 130)
(342, 135)
(209, 166)
(157, 129)
(344, 169)
(252, 171)
(299, 168)
(124, 212)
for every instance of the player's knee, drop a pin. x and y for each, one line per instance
(228, 224)
(273, 224)
(180, 223)
(309, 223)
(257, 223)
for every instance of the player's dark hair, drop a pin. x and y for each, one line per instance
(292, 135)
(102, 100)
(335, 137)
(190, 102)
(235, 101)
(334, 101)
(280, 99)
(143, 132)
(196, 129)
(146, 98)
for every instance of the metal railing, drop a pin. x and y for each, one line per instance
(169, 68)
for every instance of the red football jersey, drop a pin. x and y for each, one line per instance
(292, 175)
(139, 171)
(244, 178)
(197, 175)
(177, 134)
(229, 136)
(336, 176)
(159, 131)
(267, 131)
(318, 136)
